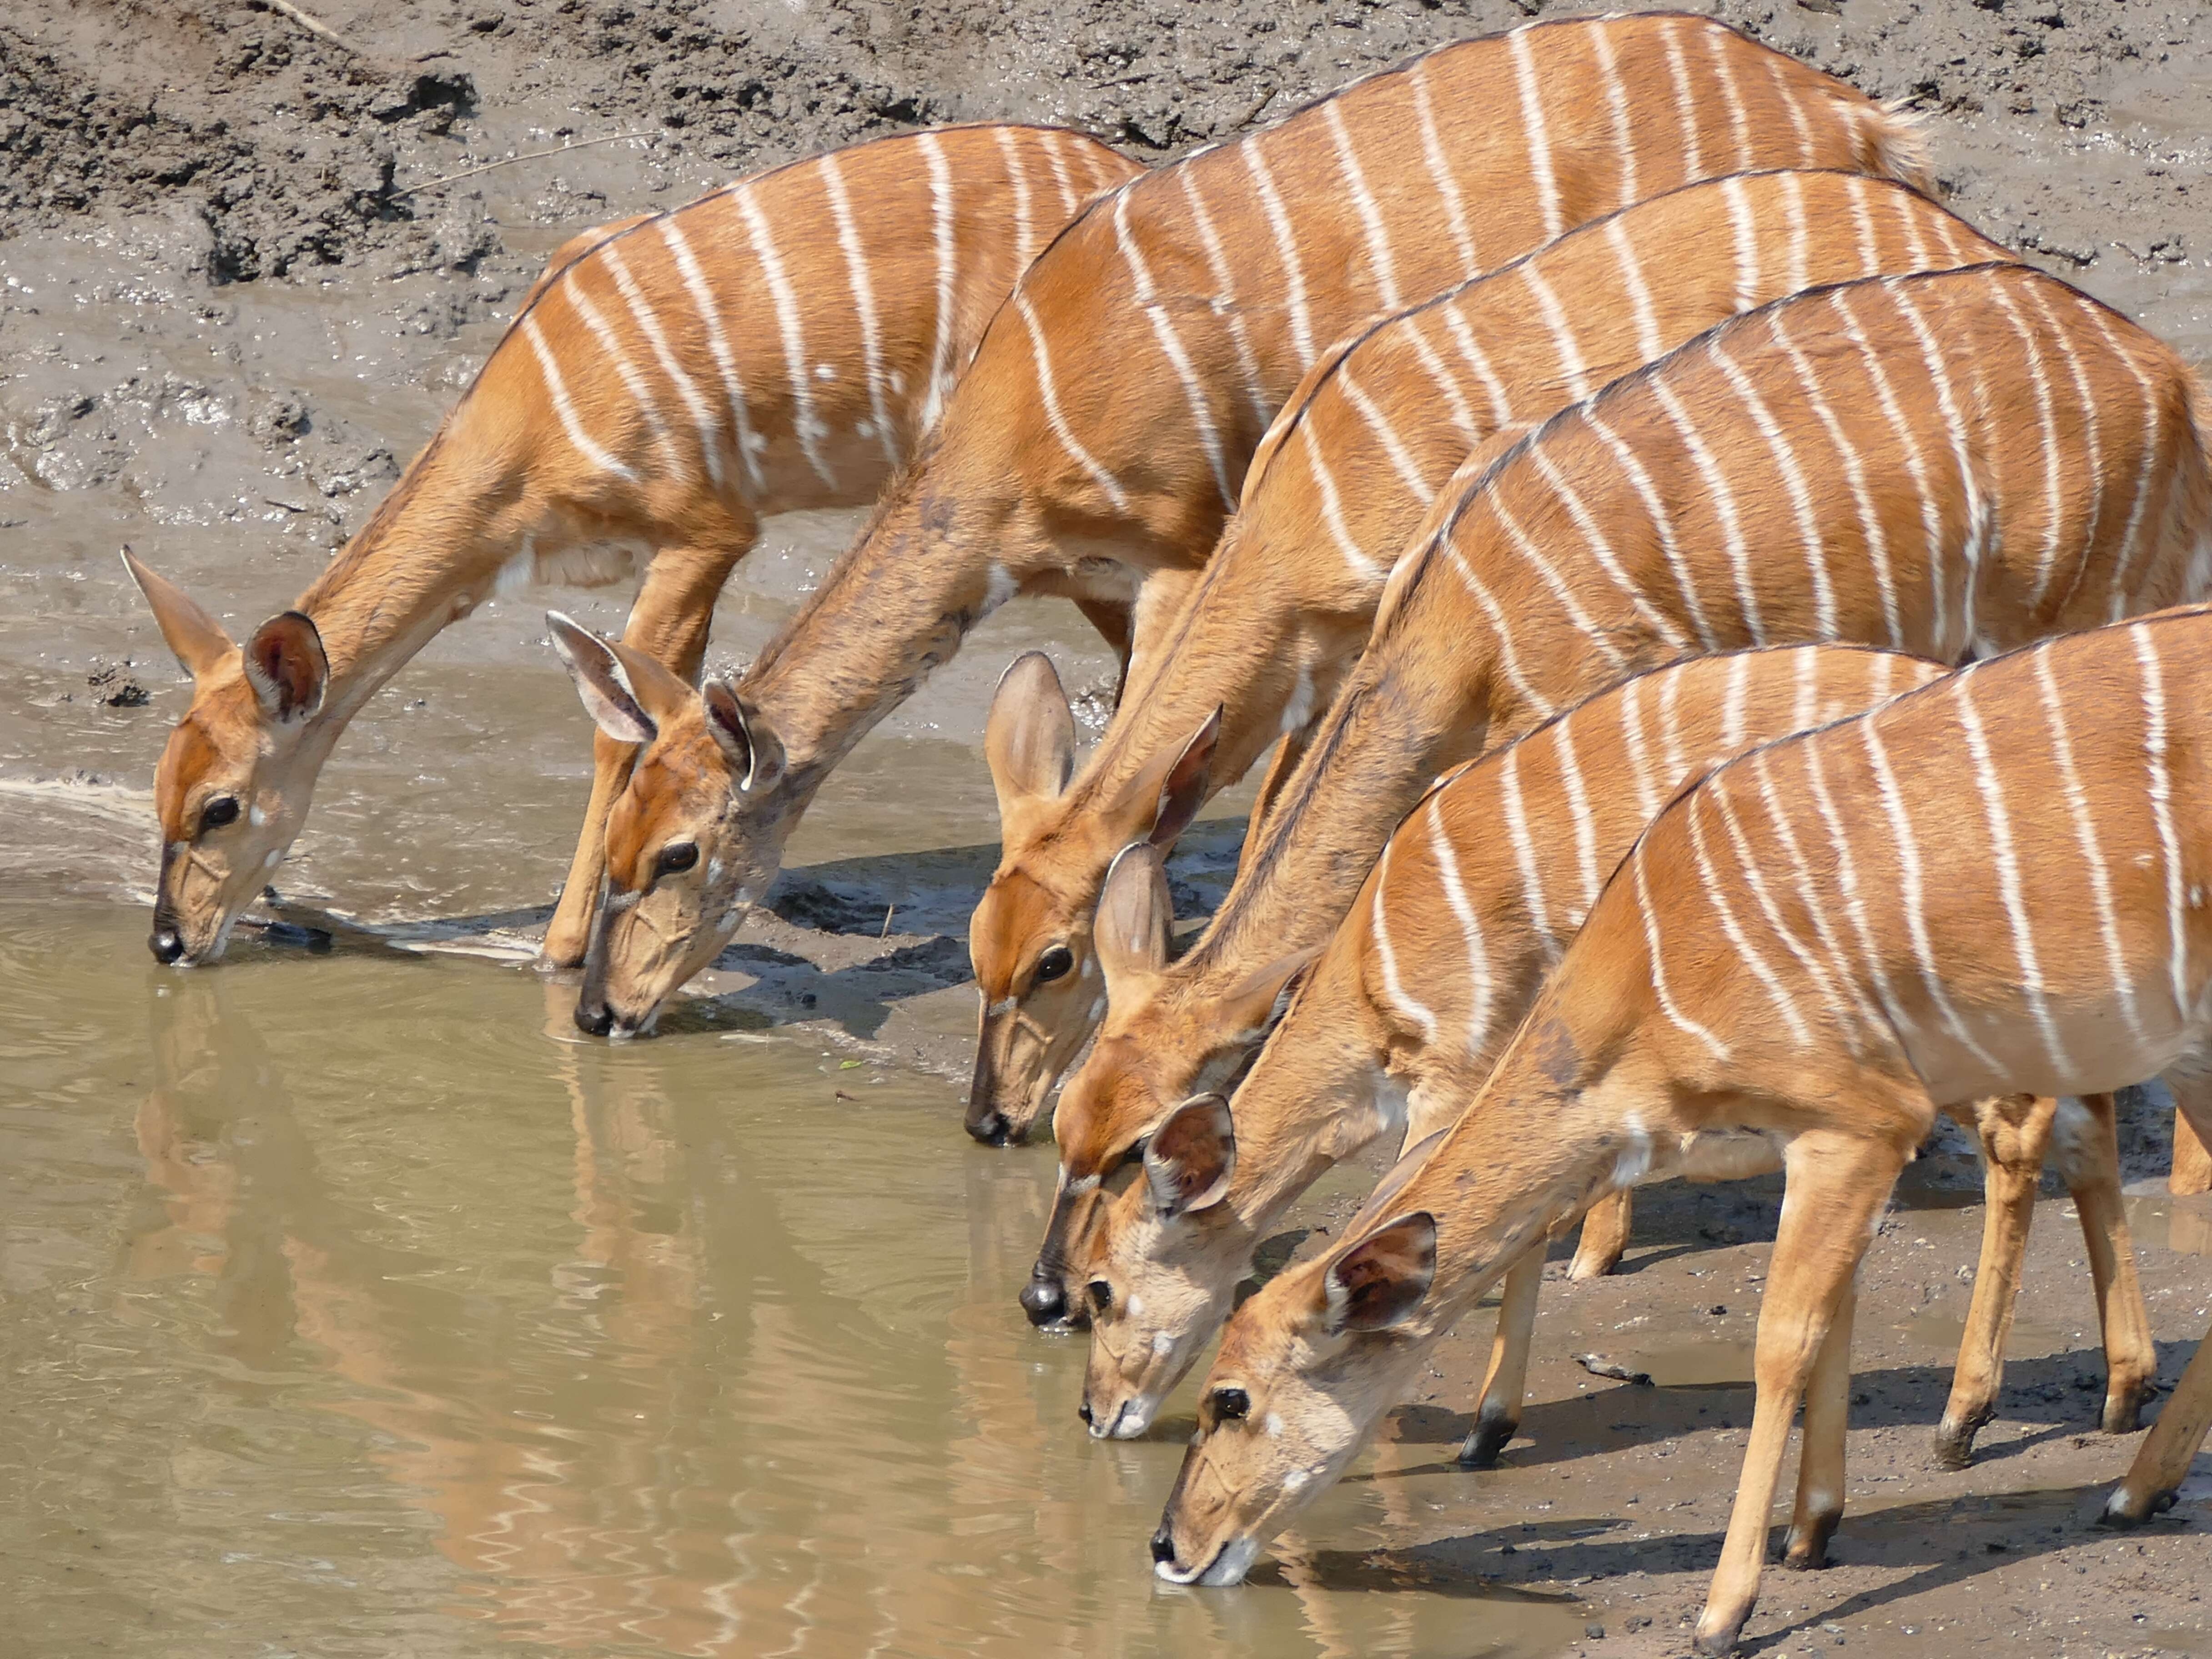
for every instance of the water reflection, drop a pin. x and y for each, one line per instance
(354, 1309)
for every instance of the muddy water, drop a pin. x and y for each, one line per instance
(359, 1311)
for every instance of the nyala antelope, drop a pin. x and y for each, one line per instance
(1473, 902)
(1098, 441)
(1993, 886)
(670, 380)
(1369, 440)
(1948, 464)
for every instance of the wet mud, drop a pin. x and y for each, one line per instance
(395, 1299)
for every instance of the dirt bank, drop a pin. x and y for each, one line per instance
(243, 267)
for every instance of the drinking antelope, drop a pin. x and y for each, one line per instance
(1948, 464)
(670, 380)
(1473, 901)
(1992, 884)
(1368, 441)
(1097, 444)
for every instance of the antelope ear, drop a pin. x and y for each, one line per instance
(1189, 1158)
(661, 693)
(286, 667)
(195, 638)
(753, 749)
(601, 682)
(1185, 788)
(1130, 932)
(1029, 737)
(1381, 1279)
(1261, 1001)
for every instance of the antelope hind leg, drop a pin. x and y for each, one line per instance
(2087, 1143)
(1605, 1235)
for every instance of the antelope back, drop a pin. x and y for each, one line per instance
(1384, 192)
(1345, 475)
(1995, 885)
(1943, 463)
(1478, 893)
(786, 339)
(1103, 432)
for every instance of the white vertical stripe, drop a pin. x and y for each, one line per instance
(1386, 957)
(1723, 502)
(1649, 341)
(1470, 928)
(1049, 140)
(1659, 985)
(1562, 590)
(565, 410)
(1379, 259)
(1502, 627)
(864, 293)
(717, 342)
(940, 220)
(2162, 807)
(2124, 566)
(1539, 139)
(1869, 518)
(2054, 503)
(1049, 395)
(1616, 99)
(1170, 344)
(1912, 889)
(1969, 486)
(1562, 331)
(1826, 993)
(1648, 800)
(1432, 151)
(1578, 808)
(1747, 241)
(1719, 43)
(1843, 983)
(1793, 185)
(1847, 879)
(2092, 441)
(1332, 508)
(1378, 422)
(1932, 522)
(1287, 249)
(1524, 848)
(1991, 791)
(1018, 181)
(2092, 855)
(1686, 103)
(1662, 525)
(1801, 494)
(1778, 69)
(1264, 409)
(633, 382)
(642, 312)
(804, 419)
(1599, 549)
(1501, 400)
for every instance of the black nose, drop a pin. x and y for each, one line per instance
(1043, 1301)
(1162, 1544)
(991, 1128)
(166, 944)
(595, 1018)
(1084, 1410)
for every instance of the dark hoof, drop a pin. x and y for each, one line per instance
(1954, 1446)
(2114, 1515)
(1490, 1437)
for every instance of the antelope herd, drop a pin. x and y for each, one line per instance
(1727, 629)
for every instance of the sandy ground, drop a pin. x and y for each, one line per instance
(239, 280)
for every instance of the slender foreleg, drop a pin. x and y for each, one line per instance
(1505, 1385)
(2015, 1131)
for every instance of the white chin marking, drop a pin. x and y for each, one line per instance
(1231, 1565)
(1135, 1418)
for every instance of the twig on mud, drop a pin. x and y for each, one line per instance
(1252, 113)
(528, 156)
(887, 915)
(312, 25)
(1598, 1366)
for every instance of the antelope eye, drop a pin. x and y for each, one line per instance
(1054, 964)
(677, 857)
(222, 810)
(1102, 1296)
(1231, 1405)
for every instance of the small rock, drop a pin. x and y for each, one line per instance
(114, 687)
(1595, 1632)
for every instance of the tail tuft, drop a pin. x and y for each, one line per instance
(1900, 142)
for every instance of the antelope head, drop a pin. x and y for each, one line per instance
(1166, 1036)
(1161, 1268)
(683, 865)
(238, 773)
(1306, 1368)
(1042, 985)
